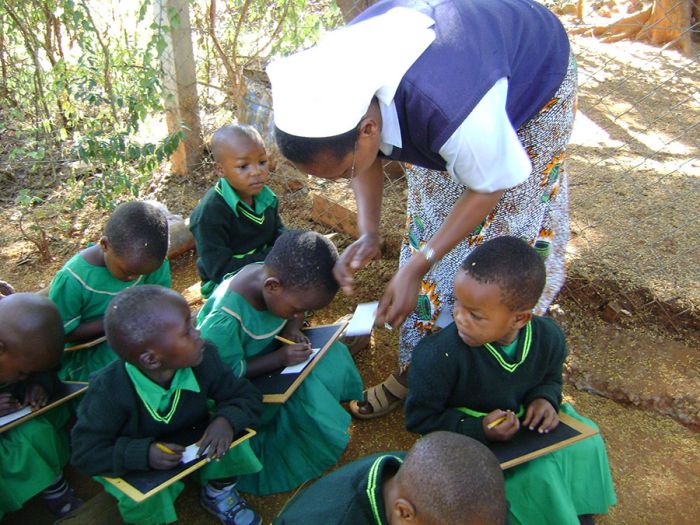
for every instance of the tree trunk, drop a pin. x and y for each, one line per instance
(669, 23)
(352, 8)
(180, 85)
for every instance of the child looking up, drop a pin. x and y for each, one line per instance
(160, 388)
(495, 360)
(445, 479)
(301, 438)
(236, 222)
(131, 252)
(32, 454)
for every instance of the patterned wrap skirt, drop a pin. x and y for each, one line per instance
(536, 211)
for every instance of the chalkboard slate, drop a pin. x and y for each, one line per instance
(527, 445)
(277, 387)
(65, 391)
(140, 485)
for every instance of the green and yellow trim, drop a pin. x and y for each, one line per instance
(511, 367)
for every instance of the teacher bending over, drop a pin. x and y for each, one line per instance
(478, 98)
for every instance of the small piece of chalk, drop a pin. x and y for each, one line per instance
(388, 326)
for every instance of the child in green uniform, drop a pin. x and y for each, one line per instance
(498, 360)
(160, 388)
(237, 221)
(130, 253)
(445, 479)
(32, 454)
(299, 439)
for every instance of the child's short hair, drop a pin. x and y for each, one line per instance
(454, 479)
(138, 227)
(133, 317)
(514, 266)
(224, 134)
(35, 321)
(305, 150)
(304, 259)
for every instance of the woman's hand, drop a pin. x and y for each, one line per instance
(504, 430)
(541, 412)
(355, 256)
(401, 294)
(217, 438)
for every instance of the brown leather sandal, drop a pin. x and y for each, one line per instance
(377, 398)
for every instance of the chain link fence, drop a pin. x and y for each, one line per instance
(634, 162)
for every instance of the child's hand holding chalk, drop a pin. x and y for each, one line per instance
(500, 425)
(164, 456)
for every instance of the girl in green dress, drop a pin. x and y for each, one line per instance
(32, 454)
(130, 253)
(301, 438)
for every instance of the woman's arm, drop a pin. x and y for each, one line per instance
(401, 294)
(368, 187)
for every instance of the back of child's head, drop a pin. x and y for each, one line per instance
(304, 260)
(453, 479)
(138, 229)
(225, 138)
(133, 318)
(307, 150)
(514, 266)
(31, 335)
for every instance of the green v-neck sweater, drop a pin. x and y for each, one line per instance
(226, 242)
(114, 430)
(446, 374)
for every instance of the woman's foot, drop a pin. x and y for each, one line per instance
(382, 398)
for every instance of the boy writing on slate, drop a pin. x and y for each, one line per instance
(445, 479)
(159, 387)
(237, 221)
(498, 367)
(33, 453)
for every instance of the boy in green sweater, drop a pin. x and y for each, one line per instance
(158, 388)
(237, 221)
(32, 454)
(498, 361)
(445, 479)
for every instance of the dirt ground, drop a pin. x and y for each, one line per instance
(635, 241)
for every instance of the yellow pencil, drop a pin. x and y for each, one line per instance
(496, 422)
(284, 340)
(165, 449)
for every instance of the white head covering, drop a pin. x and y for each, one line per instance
(325, 90)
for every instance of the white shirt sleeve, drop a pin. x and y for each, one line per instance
(484, 153)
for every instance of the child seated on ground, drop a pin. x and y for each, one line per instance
(33, 453)
(131, 252)
(236, 222)
(299, 439)
(445, 479)
(495, 360)
(159, 388)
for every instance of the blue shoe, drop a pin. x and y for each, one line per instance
(230, 508)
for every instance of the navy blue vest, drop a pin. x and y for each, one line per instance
(477, 42)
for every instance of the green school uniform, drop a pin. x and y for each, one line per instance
(82, 291)
(32, 455)
(303, 437)
(124, 412)
(230, 234)
(350, 495)
(452, 386)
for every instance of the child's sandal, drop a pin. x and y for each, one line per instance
(378, 399)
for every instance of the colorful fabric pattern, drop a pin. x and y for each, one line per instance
(536, 211)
